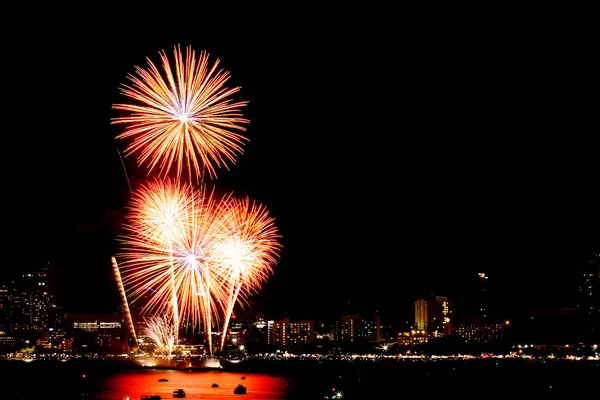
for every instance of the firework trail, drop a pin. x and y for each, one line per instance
(182, 116)
(123, 299)
(247, 253)
(125, 171)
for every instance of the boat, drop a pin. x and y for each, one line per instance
(163, 380)
(151, 397)
(215, 385)
(240, 389)
(178, 393)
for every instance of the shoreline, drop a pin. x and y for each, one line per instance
(258, 363)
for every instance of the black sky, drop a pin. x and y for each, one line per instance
(398, 159)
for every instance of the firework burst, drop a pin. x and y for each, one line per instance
(188, 255)
(158, 329)
(159, 210)
(158, 214)
(167, 250)
(247, 253)
(182, 116)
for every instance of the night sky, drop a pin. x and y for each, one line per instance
(398, 160)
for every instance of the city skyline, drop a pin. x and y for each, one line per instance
(481, 303)
(392, 170)
(29, 308)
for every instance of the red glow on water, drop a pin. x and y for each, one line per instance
(132, 384)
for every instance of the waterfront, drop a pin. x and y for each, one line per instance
(299, 379)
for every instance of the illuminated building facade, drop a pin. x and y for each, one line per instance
(8, 342)
(27, 304)
(412, 338)
(370, 329)
(4, 310)
(257, 335)
(421, 314)
(479, 332)
(439, 313)
(253, 333)
(100, 333)
(238, 332)
(56, 341)
(482, 300)
(18, 310)
(285, 334)
(589, 288)
(353, 328)
(433, 315)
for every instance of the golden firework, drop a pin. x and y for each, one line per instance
(182, 116)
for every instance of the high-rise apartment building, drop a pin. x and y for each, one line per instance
(482, 299)
(433, 314)
(441, 312)
(352, 328)
(421, 314)
(4, 310)
(589, 289)
(27, 303)
(287, 334)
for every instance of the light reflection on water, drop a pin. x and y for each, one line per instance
(132, 384)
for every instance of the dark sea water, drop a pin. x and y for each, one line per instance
(300, 379)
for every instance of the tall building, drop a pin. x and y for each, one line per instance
(589, 289)
(247, 331)
(482, 300)
(352, 328)
(4, 310)
(286, 334)
(433, 315)
(41, 299)
(441, 314)
(18, 309)
(421, 314)
(30, 302)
